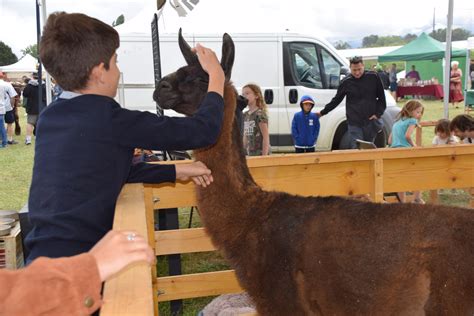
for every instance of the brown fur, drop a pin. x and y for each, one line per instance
(325, 255)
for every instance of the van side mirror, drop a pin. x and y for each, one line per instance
(334, 81)
(343, 73)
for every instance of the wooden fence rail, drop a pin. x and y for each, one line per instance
(351, 172)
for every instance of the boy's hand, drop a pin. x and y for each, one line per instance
(208, 60)
(210, 64)
(197, 171)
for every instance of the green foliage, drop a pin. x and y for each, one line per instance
(342, 45)
(7, 57)
(31, 50)
(390, 40)
(458, 34)
(370, 41)
(120, 20)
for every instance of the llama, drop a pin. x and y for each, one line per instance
(299, 255)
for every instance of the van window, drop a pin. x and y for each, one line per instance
(332, 69)
(305, 64)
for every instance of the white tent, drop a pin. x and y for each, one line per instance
(26, 64)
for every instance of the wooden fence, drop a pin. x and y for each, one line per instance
(350, 172)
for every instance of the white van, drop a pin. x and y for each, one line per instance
(286, 66)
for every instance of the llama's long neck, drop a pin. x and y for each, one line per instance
(230, 196)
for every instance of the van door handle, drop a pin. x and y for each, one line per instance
(268, 95)
(293, 96)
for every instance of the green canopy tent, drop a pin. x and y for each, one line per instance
(423, 48)
(427, 55)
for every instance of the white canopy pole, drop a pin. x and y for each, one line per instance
(447, 58)
(48, 77)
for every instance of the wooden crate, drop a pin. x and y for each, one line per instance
(11, 250)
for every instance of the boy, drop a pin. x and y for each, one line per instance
(305, 127)
(85, 141)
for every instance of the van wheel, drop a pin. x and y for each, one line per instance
(345, 142)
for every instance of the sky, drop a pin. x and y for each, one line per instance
(344, 20)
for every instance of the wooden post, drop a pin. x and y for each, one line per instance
(419, 134)
(419, 141)
(150, 225)
(377, 191)
(123, 294)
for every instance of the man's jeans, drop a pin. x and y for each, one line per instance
(3, 131)
(368, 132)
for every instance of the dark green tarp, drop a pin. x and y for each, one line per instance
(423, 48)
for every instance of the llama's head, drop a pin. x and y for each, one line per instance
(184, 90)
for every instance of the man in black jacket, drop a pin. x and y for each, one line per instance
(365, 102)
(32, 105)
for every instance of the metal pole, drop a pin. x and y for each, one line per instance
(466, 74)
(447, 58)
(40, 73)
(49, 97)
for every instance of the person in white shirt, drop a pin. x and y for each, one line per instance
(10, 95)
(7, 93)
(443, 135)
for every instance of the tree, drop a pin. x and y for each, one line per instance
(389, 40)
(7, 56)
(31, 50)
(458, 34)
(369, 41)
(409, 37)
(342, 45)
(119, 20)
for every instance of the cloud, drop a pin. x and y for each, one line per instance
(336, 20)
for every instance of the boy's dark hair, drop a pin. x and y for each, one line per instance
(73, 44)
(462, 122)
(442, 127)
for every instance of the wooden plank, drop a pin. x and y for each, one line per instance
(317, 179)
(359, 155)
(428, 173)
(182, 241)
(130, 292)
(352, 155)
(441, 167)
(197, 285)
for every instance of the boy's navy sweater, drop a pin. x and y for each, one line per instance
(83, 157)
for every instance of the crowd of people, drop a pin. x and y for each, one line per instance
(10, 96)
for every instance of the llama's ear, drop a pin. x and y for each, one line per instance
(189, 56)
(228, 54)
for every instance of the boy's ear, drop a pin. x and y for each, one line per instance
(97, 74)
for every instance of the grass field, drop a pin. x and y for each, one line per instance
(16, 163)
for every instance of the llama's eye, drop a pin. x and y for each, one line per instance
(196, 79)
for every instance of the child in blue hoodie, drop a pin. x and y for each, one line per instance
(305, 127)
